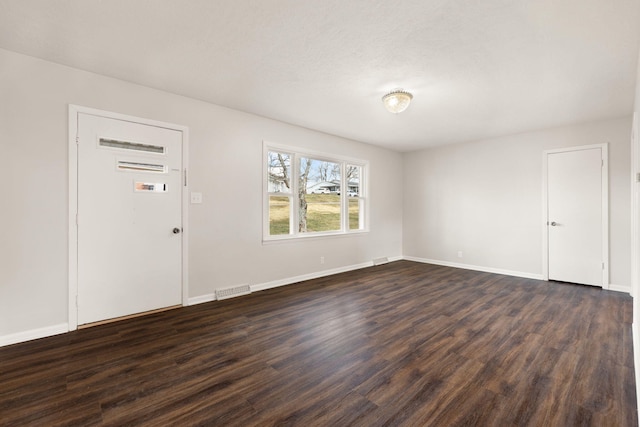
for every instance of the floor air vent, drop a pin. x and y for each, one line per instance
(232, 292)
(380, 261)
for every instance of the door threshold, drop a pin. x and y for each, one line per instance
(129, 316)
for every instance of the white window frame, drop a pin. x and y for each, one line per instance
(296, 153)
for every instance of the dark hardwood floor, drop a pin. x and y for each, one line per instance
(403, 344)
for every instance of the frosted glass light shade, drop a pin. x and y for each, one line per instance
(397, 101)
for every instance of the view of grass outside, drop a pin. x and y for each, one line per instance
(354, 213)
(323, 213)
(278, 215)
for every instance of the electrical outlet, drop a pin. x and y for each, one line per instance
(321, 260)
(459, 254)
(196, 198)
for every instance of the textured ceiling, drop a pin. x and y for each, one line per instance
(477, 69)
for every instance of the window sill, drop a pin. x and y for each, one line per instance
(315, 236)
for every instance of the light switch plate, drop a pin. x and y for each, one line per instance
(196, 198)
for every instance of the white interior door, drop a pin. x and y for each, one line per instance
(575, 216)
(129, 218)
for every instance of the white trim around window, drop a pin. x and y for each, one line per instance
(335, 198)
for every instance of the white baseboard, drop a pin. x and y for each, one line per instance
(475, 268)
(635, 338)
(302, 278)
(291, 280)
(201, 299)
(615, 288)
(34, 334)
(618, 288)
(324, 273)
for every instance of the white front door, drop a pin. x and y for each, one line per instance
(575, 216)
(129, 218)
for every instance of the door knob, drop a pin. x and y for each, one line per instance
(176, 230)
(553, 224)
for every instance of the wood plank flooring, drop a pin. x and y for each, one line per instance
(402, 344)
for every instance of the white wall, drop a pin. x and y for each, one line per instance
(226, 166)
(484, 198)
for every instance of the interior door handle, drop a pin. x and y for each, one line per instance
(553, 223)
(176, 230)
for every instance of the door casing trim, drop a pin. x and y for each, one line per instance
(605, 208)
(74, 111)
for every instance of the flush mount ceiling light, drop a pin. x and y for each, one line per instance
(397, 100)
